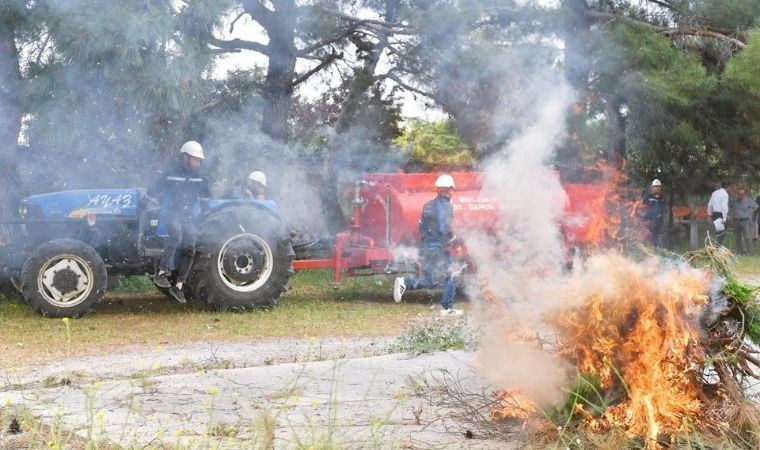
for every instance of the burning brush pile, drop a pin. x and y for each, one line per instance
(656, 352)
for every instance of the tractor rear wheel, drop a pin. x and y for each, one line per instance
(246, 260)
(64, 278)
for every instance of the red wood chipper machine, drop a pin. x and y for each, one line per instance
(387, 209)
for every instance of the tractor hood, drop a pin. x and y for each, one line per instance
(80, 203)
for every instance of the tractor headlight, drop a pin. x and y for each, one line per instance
(23, 210)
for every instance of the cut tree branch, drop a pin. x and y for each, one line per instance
(396, 79)
(325, 62)
(664, 4)
(332, 40)
(667, 31)
(375, 22)
(235, 45)
(232, 25)
(704, 32)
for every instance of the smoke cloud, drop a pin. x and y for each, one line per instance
(522, 258)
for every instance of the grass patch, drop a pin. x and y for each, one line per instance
(362, 306)
(132, 285)
(431, 337)
(748, 266)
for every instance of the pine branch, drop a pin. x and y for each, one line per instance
(329, 41)
(325, 62)
(667, 31)
(396, 79)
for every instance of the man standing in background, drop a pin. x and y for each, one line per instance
(742, 210)
(717, 209)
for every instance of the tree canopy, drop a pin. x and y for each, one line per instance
(662, 86)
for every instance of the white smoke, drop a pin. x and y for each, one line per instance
(522, 259)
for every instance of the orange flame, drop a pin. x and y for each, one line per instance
(638, 331)
(636, 327)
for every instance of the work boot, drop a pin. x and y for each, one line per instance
(399, 287)
(162, 279)
(177, 293)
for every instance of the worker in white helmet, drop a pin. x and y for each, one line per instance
(255, 186)
(182, 192)
(654, 202)
(436, 234)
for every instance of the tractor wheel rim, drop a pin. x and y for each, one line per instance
(244, 262)
(65, 280)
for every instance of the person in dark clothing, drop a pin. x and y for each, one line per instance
(653, 216)
(742, 208)
(255, 186)
(182, 191)
(435, 230)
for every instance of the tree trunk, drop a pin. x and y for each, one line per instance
(10, 123)
(616, 130)
(363, 81)
(281, 71)
(576, 35)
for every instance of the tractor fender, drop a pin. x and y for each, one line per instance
(267, 206)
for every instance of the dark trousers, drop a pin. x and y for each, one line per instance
(722, 234)
(655, 233)
(744, 237)
(435, 272)
(183, 235)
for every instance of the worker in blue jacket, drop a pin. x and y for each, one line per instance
(435, 230)
(654, 213)
(183, 192)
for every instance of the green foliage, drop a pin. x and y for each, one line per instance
(745, 296)
(657, 71)
(742, 293)
(717, 259)
(744, 68)
(729, 14)
(107, 83)
(434, 144)
(586, 392)
(432, 337)
(720, 260)
(666, 92)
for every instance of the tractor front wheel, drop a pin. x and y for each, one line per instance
(64, 278)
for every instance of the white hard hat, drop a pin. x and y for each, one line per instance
(258, 177)
(656, 182)
(192, 148)
(444, 181)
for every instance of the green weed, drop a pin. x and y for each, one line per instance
(432, 337)
(132, 285)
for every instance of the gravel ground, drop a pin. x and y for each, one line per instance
(288, 392)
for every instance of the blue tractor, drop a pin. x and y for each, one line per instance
(66, 244)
